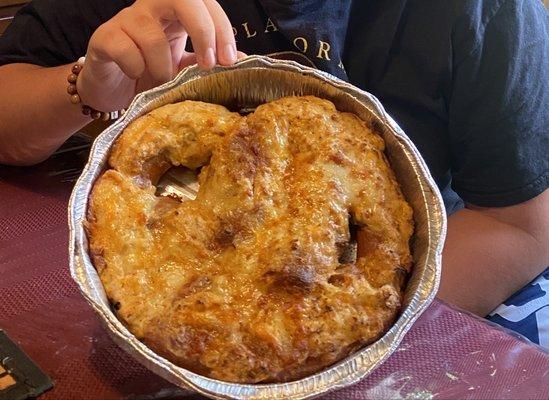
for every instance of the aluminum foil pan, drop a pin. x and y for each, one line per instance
(250, 82)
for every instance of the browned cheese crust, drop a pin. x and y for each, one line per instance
(247, 283)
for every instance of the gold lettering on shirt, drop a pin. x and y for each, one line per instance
(323, 49)
(304, 44)
(271, 27)
(248, 33)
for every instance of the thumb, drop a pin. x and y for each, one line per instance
(186, 60)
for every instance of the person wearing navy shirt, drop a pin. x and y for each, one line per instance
(467, 80)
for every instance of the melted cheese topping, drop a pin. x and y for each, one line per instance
(249, 282)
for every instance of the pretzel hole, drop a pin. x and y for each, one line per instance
(348, 250)
(180, 183)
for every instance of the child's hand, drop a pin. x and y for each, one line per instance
(144, 45)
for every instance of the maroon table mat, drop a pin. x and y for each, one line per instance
(447, 354)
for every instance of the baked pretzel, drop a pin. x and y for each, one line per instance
(252, 281)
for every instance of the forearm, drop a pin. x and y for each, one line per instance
(485, 261)
(36, 116)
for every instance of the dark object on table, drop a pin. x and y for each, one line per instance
(20, 378)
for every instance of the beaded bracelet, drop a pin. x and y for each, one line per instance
(75, 98)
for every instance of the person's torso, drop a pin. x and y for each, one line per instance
(308, 31)
(398, 50)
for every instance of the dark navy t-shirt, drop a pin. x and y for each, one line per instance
(467, 80)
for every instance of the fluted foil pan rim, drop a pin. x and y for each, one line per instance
(344, 373)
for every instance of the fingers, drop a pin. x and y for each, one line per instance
(183, 59)
(177, 46)
(224, 36)
(139, 39)
(136, 43)
(197, 21)
(209, 29)
(109, 43)
(149, 37)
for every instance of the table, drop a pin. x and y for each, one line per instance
(447, 354)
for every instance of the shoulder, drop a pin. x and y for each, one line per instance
(475, 20)
(75, 14)
(54, 32)
(90, 9)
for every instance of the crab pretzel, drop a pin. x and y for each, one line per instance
(252, 281)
